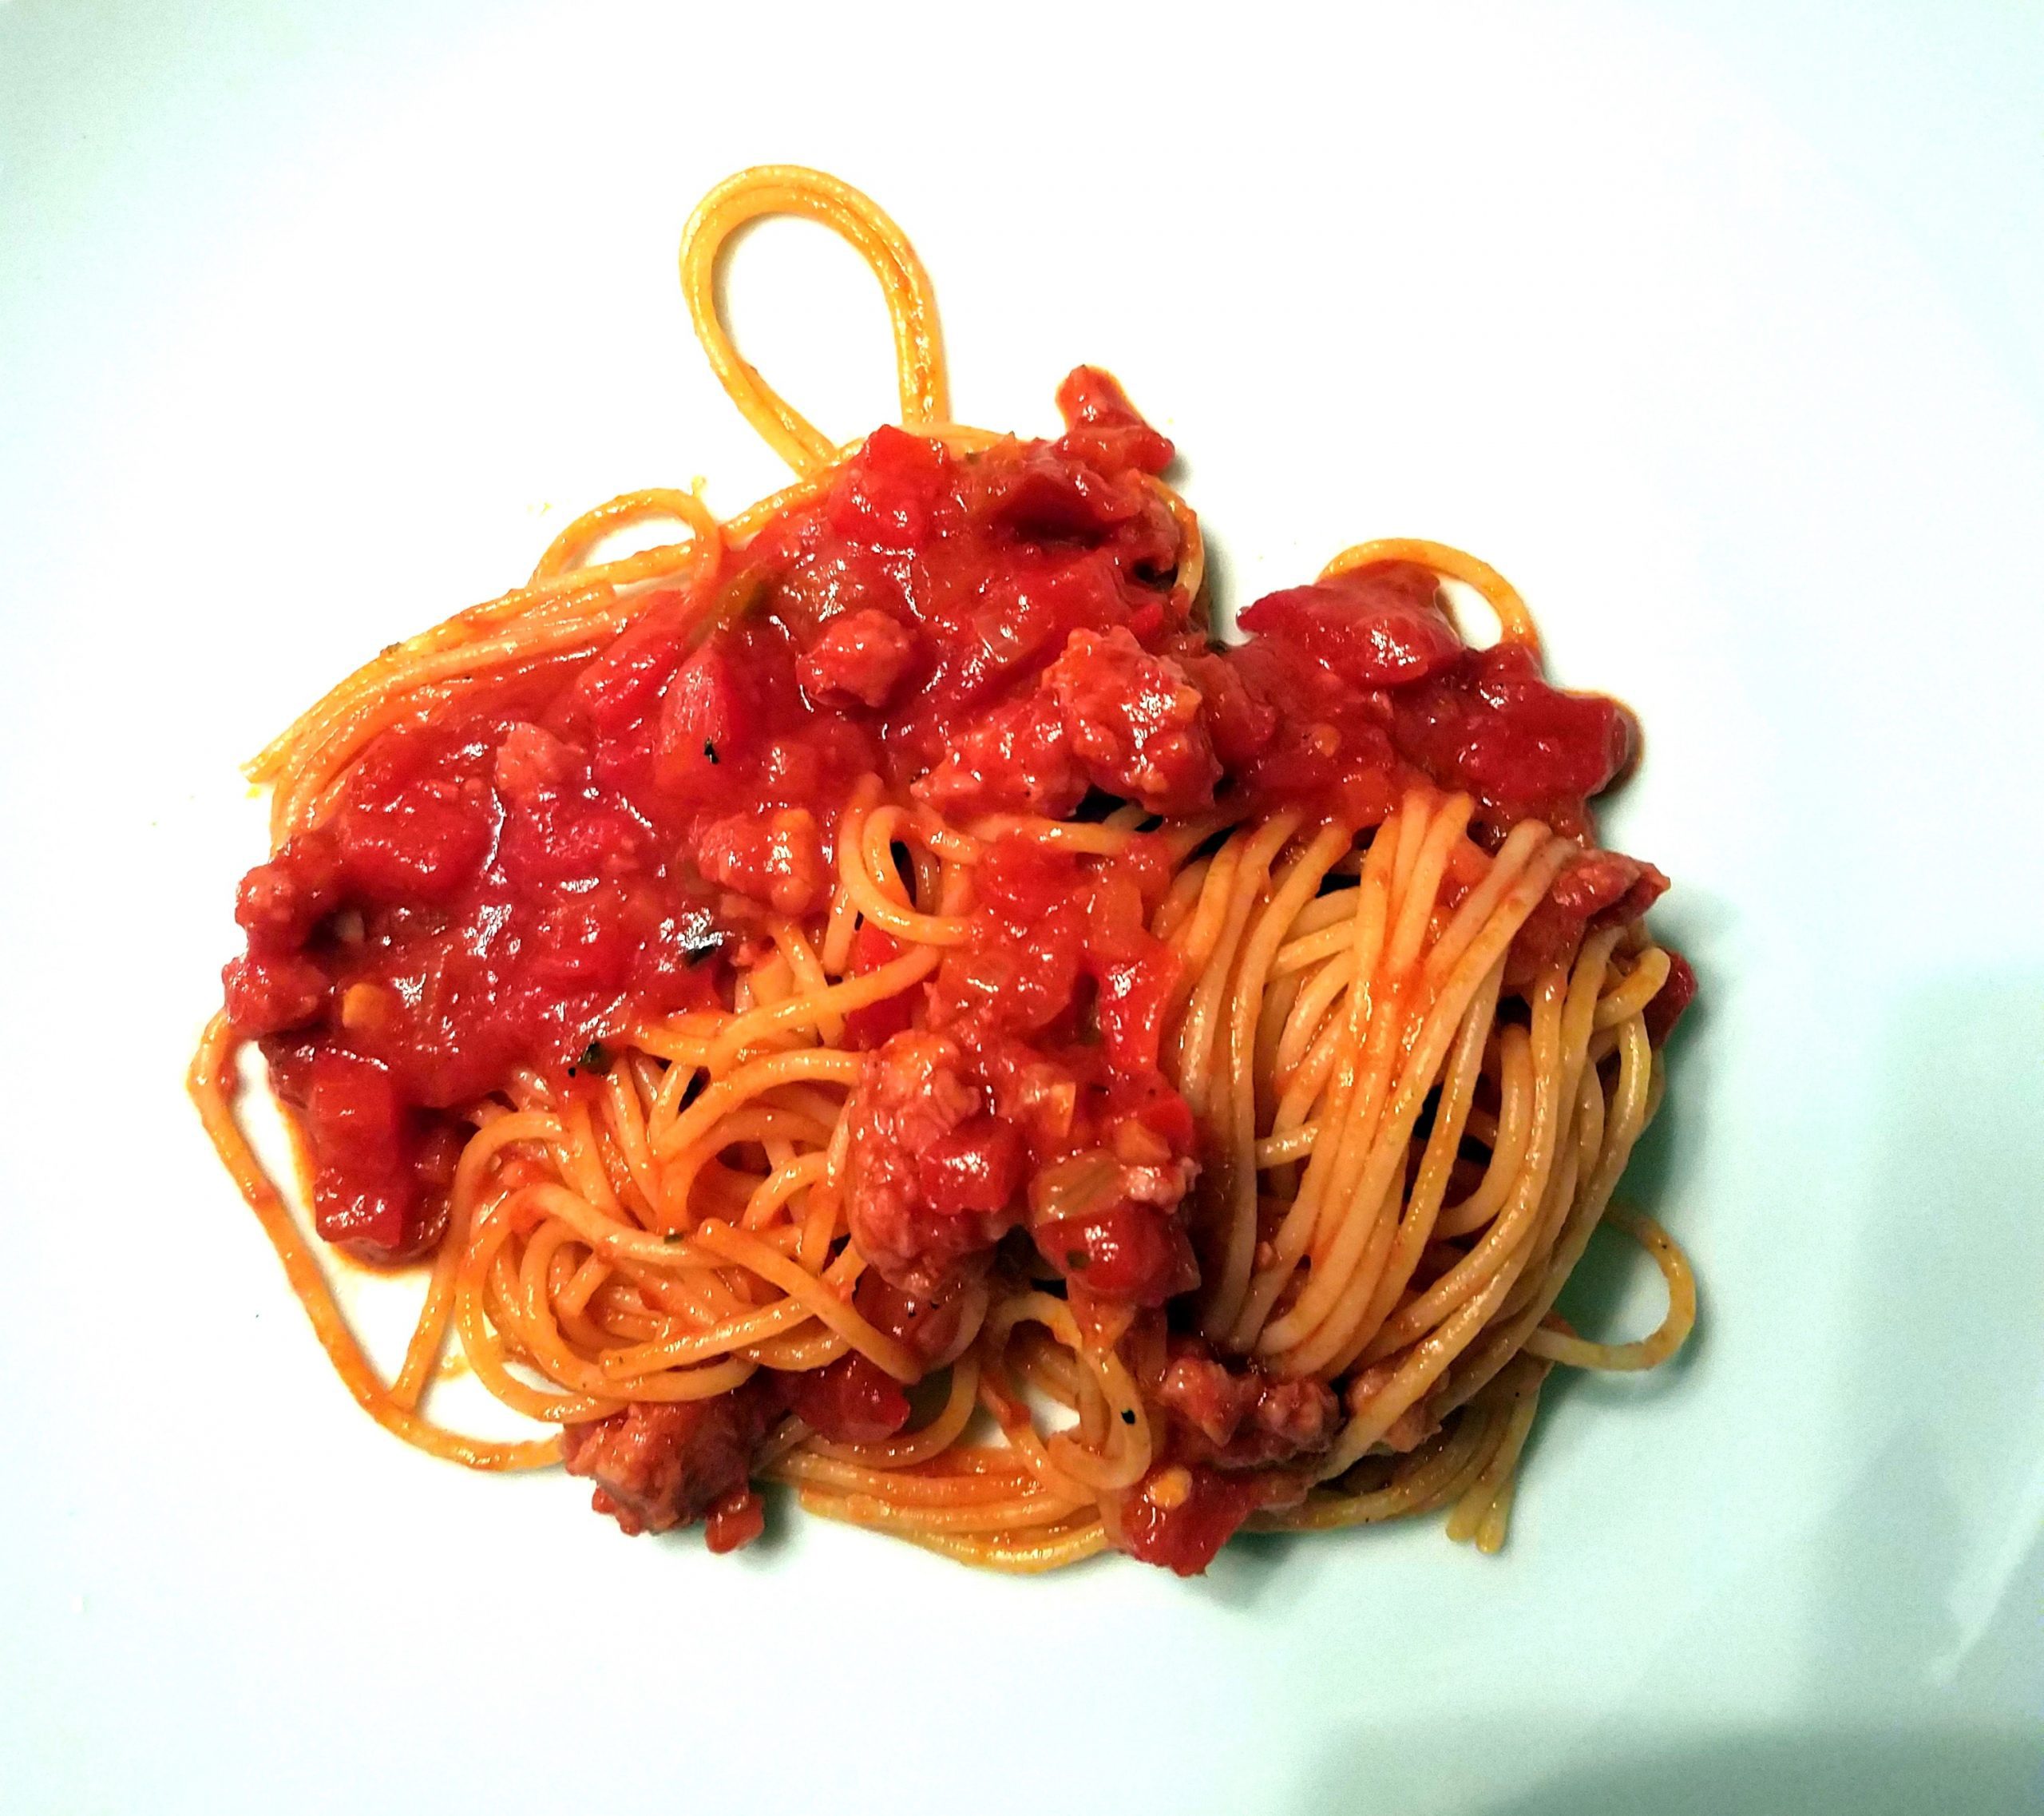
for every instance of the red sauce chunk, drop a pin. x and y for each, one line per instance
(1179, 1515)
(585, 845)
(849, 1400)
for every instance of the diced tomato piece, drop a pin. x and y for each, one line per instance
(365, 1192)
(1181, 1514)
(622, 686)
(887, 492)
(1379, 627)
(1130, 1253)
(1102, 426)
(1134, 994)
(421, 844)
(1538, 740)
(354, 1104)
(736, 1520)
(1500, 731)
(1028, 981)
(1049, 500)
(709, 716)
(1022, 881)
(870, 1027)
(1149, 1098)
(851, 1400)
(928, 1326)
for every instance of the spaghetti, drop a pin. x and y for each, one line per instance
(865, 994)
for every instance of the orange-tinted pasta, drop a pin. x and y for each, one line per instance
(1343, 1027)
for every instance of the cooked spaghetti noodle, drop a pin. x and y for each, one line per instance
(879, 942)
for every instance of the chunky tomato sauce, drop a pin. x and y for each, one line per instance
(593, 844)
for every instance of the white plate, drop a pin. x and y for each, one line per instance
(314, 322)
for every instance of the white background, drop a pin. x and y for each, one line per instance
(1720, 329)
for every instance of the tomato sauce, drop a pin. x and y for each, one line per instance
(592, 845)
